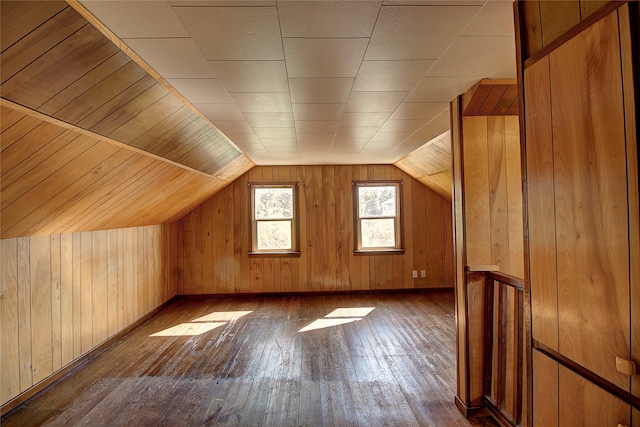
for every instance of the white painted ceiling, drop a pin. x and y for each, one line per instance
(320, 82)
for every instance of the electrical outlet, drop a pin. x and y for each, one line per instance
(423, 273)
(415, 274)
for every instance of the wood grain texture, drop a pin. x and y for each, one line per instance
(63, 295)
(592, 222)
(476, 190)
(57, 63)
(584, 404)
(256, 366)
(431, 165)
(625, 18)
(557, 17)
(541, 204)
(545, 391)
(57, 180)
(327, 261)
(489, 231)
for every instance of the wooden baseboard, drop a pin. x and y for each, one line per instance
(469, 411)
(77, 363)
(313, 293)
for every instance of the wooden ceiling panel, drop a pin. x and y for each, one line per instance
(431, 165)
(57, 178)
(491, 97)
(91, 138)
(66, 68)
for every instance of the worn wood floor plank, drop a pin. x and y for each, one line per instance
(384, 359)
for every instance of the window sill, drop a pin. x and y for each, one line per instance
(287, 254)
(378, 252)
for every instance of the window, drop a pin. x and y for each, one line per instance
(274, 227)
(378, 216)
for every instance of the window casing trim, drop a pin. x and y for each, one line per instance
(295, 222)
(398, 249)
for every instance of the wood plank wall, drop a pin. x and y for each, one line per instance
(580, 73)
(545, 21)
(214, 238)
(488, 232)
(64, 294)
(493, 192)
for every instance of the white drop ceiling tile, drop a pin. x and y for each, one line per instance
(389, 138)
(474, 56)
(507, 71)
(356, 131)
(383, 145)
(324, 57)
(315, 138)
(441, 120)
(280, 142)
(316, 158)
(261, 157)
(349, 144)
(374, 102)
(244, 139)
(430, 132)
(328, 18)
(363, 119)
(285, 156)
(252, 76)
(276, 102)
(419, 110)
(137, 19)
(283, 152)
(319, 90)
(270, 120)
(220, 111)
(275, 132)
(401, 31)
(202, 91)
(390, 75)
(234, 33)
(317, 126)
(172, 57)
(231, 127)
(401, 126)
(317, 111)
(440, 89)
(375, 156)
(495, 19)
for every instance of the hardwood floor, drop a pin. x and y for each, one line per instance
(383, 359)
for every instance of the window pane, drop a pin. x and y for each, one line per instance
(274, 203)
(274, 235)
(378, 233)
(377, 201)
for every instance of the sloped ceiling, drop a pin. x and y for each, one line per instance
(89, 139)
(319, 82)
(138, 114)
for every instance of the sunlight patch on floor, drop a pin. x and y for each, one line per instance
(202, 324)
(339, 316)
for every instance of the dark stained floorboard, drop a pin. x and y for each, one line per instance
(393, 367)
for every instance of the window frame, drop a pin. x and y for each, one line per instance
(295, 222)
(398, 223)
